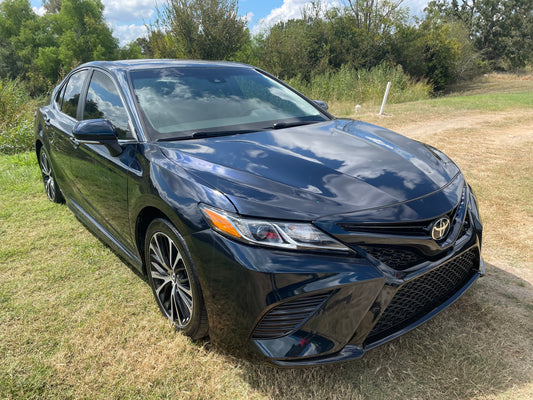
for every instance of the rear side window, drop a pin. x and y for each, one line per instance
(103, 101)
(72, 93)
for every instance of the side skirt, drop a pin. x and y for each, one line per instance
(121, 250)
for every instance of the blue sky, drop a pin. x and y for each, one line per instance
(127, 17)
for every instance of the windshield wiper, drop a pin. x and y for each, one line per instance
(206, 134)
(281, 125)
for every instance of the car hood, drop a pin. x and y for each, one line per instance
(307, 172)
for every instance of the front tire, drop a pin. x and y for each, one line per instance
(50, 184)
(173, 279)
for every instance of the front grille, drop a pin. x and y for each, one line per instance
(419, 296)
(287, 317)
(394, 257)
(418, 228)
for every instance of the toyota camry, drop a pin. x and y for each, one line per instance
(257, 217)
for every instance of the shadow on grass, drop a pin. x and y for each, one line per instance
(480, 346)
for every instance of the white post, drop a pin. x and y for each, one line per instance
(384, 98)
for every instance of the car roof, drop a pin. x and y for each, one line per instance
(131, 65)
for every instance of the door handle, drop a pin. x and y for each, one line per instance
(46, 118)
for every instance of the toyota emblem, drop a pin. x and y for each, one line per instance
(440, 228)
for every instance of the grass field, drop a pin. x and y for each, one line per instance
(77, 323)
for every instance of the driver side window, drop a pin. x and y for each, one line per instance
(103, 101)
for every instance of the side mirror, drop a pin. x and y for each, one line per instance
(321, 104)
(98, 131)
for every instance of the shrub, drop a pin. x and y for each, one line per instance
(16, 117)
(363, 86)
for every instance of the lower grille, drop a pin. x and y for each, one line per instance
(417, 297)
(394, 257)
(287, 317)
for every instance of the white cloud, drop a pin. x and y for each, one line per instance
(290, 9)
(127, 17)
(39, 11)
(129, 10)
(249, 18)
(128, 33)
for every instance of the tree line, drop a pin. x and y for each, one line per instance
(454, 40)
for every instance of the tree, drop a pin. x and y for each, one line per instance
(286, 50)
(377, 16)
(131, 51)
(204, 29)
(52, 6)
(440, 55)
(83, 33)
(15, 16)
(22, 32)
(438, 50)
(500, 30)
(35, 49)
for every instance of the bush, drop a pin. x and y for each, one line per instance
(16, 117)
(363, 86)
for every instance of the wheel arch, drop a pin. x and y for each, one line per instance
(143, 220)
(38, 147)
(38, 140)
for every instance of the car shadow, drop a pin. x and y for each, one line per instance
(480, 346)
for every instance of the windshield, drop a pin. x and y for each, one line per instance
(182, 102)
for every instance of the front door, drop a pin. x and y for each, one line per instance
(100, 178)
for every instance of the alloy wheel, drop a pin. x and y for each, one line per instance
(50, 184)
(171, 281)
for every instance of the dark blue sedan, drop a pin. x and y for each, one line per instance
(257, 217)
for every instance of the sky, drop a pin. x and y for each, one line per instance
(127, 18)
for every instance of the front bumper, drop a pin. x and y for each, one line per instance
(298, 309)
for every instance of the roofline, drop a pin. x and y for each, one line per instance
(130, 65)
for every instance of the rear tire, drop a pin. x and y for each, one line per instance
(50, 185)
(173, 279)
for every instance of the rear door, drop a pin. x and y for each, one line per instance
(59, 120)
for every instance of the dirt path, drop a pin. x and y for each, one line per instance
(503, 126)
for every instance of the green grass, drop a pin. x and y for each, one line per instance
(76, 322)
(504, 95)
(441, 105)
(486, 102)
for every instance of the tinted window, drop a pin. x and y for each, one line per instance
(103, 101)
(72, 93)
(178, 101)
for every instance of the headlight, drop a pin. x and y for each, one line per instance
(286, 235)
